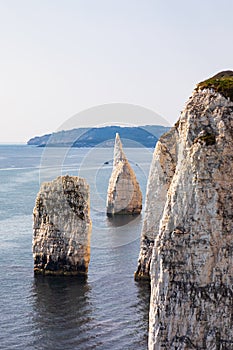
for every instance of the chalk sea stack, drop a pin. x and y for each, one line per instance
(62, 227)
(124, 195)
(190, 256)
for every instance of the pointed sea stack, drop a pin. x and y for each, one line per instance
(124, 194)
(191, 267)
(62, 227)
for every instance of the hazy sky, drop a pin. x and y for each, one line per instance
(59, 57)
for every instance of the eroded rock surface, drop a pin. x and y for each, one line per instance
(62, 227)
(124, 194)
(161, 172)
(192, 262)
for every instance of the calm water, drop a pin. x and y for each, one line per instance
(109, 310)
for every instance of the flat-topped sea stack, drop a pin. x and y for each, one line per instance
(124, 195)
(62, 227)
(191, 234)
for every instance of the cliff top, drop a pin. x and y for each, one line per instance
(221, 82)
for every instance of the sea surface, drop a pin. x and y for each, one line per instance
(109, 310)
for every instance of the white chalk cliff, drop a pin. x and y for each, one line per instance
(62, 227)
(188, 227)
(124, 194)
(161, 172)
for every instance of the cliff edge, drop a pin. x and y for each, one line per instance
(190, 190)
(161, 173)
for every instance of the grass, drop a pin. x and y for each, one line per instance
(221, 82)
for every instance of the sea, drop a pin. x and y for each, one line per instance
(107, 311)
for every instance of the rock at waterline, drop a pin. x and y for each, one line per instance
(62, 227)
(124, 194)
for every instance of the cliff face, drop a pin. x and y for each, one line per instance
(124, 194)
(192, 262)
(161, 172)
(62, 227)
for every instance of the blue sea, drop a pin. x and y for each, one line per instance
(110, 309)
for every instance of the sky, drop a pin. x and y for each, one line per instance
(59, 58)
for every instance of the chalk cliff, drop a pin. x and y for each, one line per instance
(62, 227)
(161, 172)
(124, 194)
(188, 225)
(192, 262)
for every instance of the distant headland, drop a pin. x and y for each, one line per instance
(145, 136)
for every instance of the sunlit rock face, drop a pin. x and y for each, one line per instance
(191, 267)
(62, 227)
(124, 194)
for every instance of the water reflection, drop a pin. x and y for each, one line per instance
(62, 313)
(122, 220)
(108, 311)
(141, 307)
(143, 298)
(116, 231)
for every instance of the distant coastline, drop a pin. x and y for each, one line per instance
(140, 136)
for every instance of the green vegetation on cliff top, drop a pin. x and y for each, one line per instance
(221, 82)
